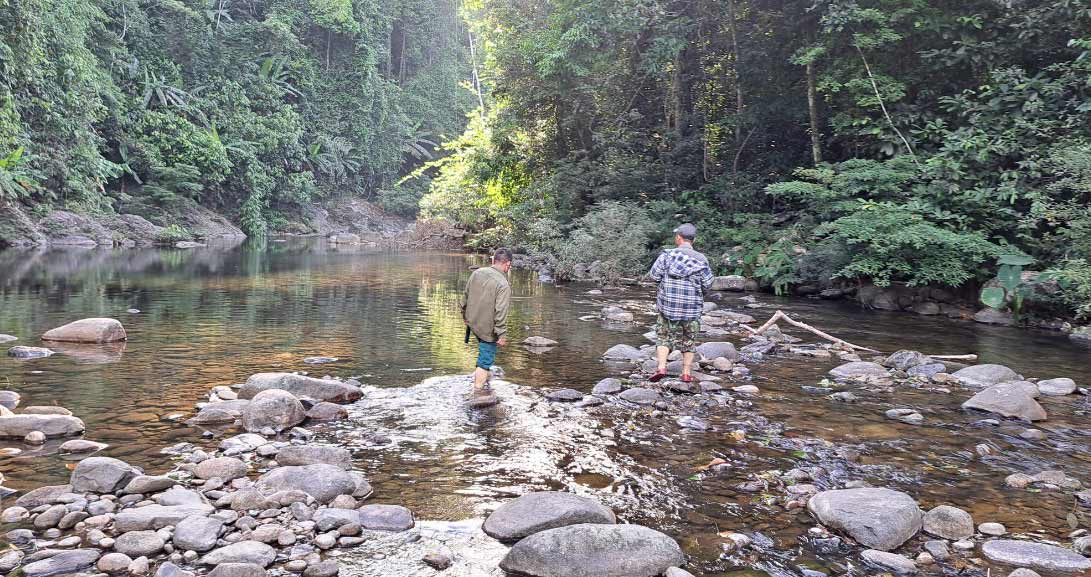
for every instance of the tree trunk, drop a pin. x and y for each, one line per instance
(812, 108)
(401, 65)
(733, 29)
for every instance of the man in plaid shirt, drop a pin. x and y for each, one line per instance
(684, 276)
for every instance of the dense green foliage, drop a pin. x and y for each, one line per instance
(251, 107)
(898, 141)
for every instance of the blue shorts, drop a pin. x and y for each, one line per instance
(486, 354)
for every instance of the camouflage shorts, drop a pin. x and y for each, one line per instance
(677, 335)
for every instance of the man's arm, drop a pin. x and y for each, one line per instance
(500, 323)
(659, 268)
(706, 278)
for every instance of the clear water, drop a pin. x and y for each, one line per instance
(213, 316)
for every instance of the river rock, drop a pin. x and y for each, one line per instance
(178, 496)
(22, 352)
(386, 518)
(734, 283)
(139, 543)
(10, 560)
(323, 482)
(46, 495)
(617, 314)
(14, 514)
(63, 563)
(326, 411)
(539, 342)
(148, 484)
(242, 552)
(540, 511)
(904, 360)
(301, 386)
(215, 414)
(1035, 556)
(564, 396)
(35, 438)
(197, 534)
(329, 519)
(7, 338)
(1082, 545)
(641, 396)
(169, 569)
(114, 563)
(97, 330)
(878, 518)
(927, 370)
(1009, 400)
(9, 399)
(273, 409)
(949, 522)
(593, 550)
(50, 517)
(46, 410)
(1057, 387)
(908, 416)
(238, 570)
(857, 369)
(889, 561)
(153, 517)
(607, 386)
(299, 455)
(226, 468)
(327, 568)
(19, 426)
(101, 475)
(985, 375)
(624, 353)
(716, 349)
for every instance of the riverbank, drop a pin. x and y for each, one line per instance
(216, 323)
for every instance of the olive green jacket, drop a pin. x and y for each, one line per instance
(485, 304)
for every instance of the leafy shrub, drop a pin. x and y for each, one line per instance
(172, 233)
(888, 242)
(1074, 278)
(608, 243)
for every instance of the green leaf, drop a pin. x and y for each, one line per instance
(993, 297)
(1014, 260)
(1010, 276)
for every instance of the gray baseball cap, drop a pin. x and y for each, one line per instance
(686, 231)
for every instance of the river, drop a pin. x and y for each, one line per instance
(212, 316)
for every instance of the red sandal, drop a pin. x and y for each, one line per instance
(658, 376)
(687, 378)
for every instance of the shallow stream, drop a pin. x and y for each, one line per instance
(212, 316)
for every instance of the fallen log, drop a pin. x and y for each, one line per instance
(780, 316)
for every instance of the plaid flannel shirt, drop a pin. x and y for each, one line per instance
(683, 275)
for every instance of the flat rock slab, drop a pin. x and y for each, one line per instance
(17, 426)
(536, 512)
(858, 369)
(301, 386)
(301, 455)
(1035, 556)
(1008, 400)
(878, 518)
(641, 396)
(96, 330)
(254, 552)
(590, 550)
(63, 563)
(985, 375)
(564, 396)
(889, 561)
(152, 517)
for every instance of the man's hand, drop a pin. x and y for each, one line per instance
(503, 341)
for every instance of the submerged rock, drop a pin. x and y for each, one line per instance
(95, 330)
(879, 518)
(535, 512)
(1009, 400)
(588, 550)
(21, 352)
(539, 342)
(1035, 556)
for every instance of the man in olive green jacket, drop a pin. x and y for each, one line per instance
(485, 312)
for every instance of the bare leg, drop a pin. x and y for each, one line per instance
(687, 362)
(481, 376)
(661, 354)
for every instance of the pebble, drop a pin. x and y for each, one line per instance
(993, 529)
(963, 545)
(438, 560)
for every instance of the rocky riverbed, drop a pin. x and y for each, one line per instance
(858, 462)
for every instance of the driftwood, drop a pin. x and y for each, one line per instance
(780, 316)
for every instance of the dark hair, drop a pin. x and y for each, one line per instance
(501, 256)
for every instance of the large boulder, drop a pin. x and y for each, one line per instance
(254, 552)
(591, 550)
(878, 518)
(858, 369)
(641, 396)
(535, 512)
(1057, 387)
(386, 518)
(299, 455)
(985, 375)
(63, 563)
(624, 353)
(1008, 400)
(17, 426)
(732, 282)
(151, 517)
(716, 349)
(9, 399)
(101, 475)
(301, 386)
(607, 386)
(273, 408)
(88, 331)
(904, 360)
(197, 534)
(321, 481)
(949, 523)
(1035, 556)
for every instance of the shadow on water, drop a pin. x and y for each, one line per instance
(212, 316)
